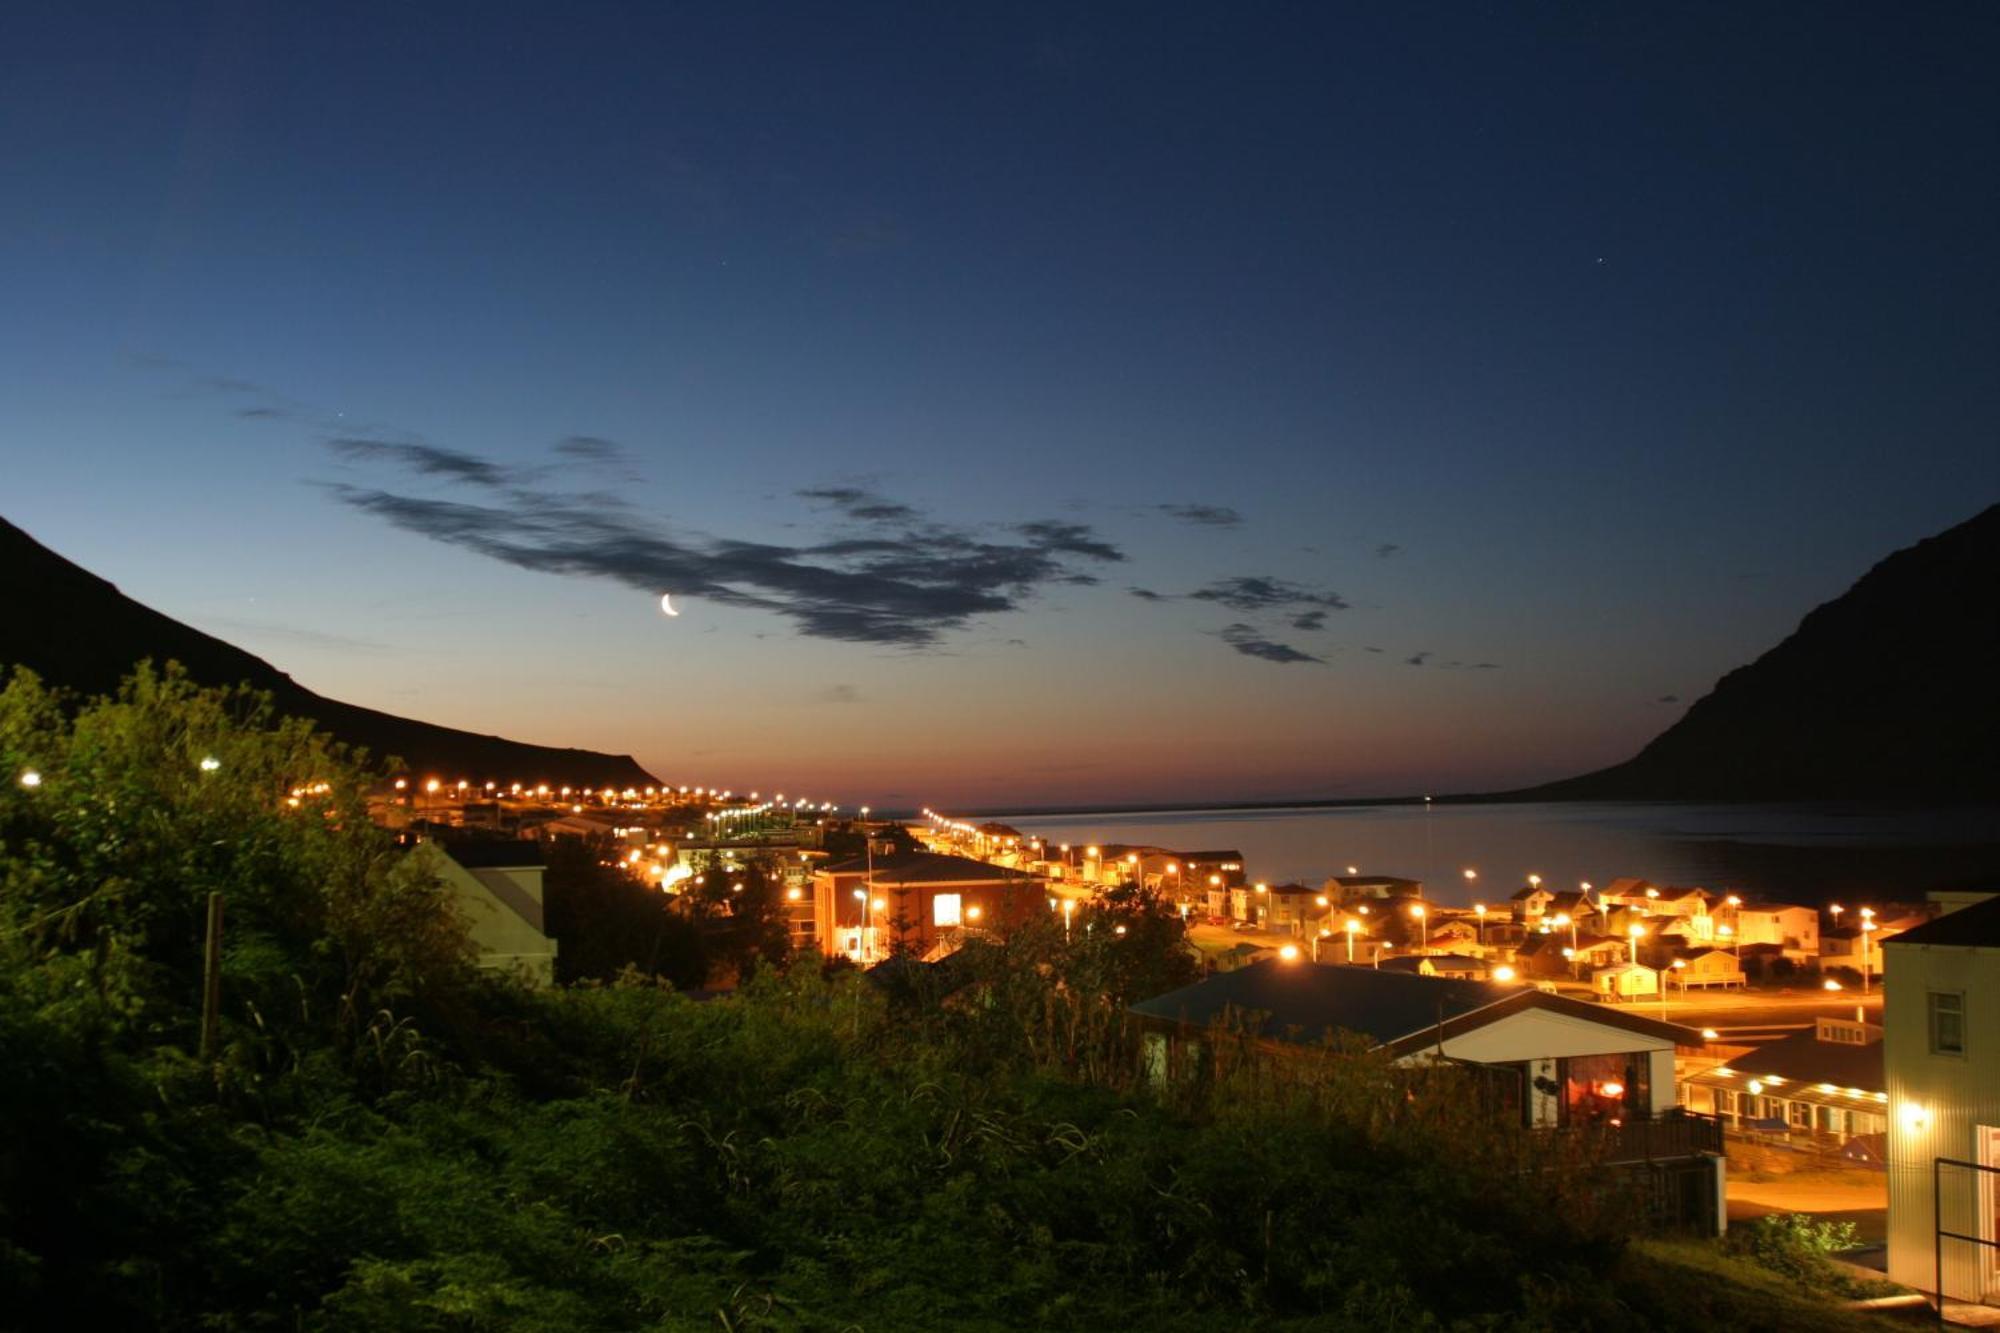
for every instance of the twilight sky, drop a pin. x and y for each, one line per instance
(1023, 404)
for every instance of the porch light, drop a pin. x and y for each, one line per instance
(1914, 1117)
(1503, 973)
(1709, 1034)
(1614, 1088)
(1290, 953)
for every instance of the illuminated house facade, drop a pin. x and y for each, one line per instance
(917, 903)
(1941, 1056)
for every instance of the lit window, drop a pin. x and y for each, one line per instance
(1947, 1023)
(945, 909)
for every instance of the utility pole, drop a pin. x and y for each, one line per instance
(211, 979)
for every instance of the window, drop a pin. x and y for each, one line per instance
(1947, 1023)
(1798, 1114)
(945, 909)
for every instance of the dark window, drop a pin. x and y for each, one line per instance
(1947, 1023)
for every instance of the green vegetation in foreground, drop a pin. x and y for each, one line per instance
(388, 1140)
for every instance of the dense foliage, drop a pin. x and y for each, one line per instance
(385, 1139)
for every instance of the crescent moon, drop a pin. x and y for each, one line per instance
(667, 603)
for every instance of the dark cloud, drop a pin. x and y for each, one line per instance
(1207, 516)
(1387, 549)
(859, 504)
(1309, 621)
(1146, 594)
(1668, 699)
(906, 589)
(426, 460)
(1246, 640)
(1371, 650)
(1261, 593)
(263, 413)
(839, 694)
(1485, 666)
(1417, 659)
(589, 448)
(1068, 539)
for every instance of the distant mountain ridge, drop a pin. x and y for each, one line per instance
(78, 631)
(1890, 691)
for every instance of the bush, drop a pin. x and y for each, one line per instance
(1799, 1247)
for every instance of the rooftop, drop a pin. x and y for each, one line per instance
(1804, 1058)
(928, 868)
(1308, 1002)
(1974, 927)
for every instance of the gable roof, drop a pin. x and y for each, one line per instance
(1804, 1058)
(1974, 927)
(1398, 1011)
(493, 853)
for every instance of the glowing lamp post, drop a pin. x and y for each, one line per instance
(1479, 910)
(1423, 924)
(1352, 927)
(1867, 925)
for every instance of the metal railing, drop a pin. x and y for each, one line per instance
(1672, 1134)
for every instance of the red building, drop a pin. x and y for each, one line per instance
(868, 907)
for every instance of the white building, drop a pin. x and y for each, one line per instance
(497, 887)
(1552, 1062)
(1941, 1055)
(1625, 980)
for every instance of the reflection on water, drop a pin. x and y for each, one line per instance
(1808, 853)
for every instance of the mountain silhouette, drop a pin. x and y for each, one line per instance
(79, 632)
(1890, 691)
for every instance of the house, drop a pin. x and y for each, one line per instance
(1624, 981)
(1295, 909)
(1351, 890)
(1555, 1062)
(1821, 1084)
(1439, 965)
(1793, 928)
(497, 887)
(1707, 967)
(1627, 892)
(1858, 947)
(1530, 902)
(1941, 1062)
(899, 901)
(1212, 868)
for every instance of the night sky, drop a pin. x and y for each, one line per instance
(1022, 405)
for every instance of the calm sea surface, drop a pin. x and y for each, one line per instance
(1809, 853)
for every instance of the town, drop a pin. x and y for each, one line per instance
(1832, 1052)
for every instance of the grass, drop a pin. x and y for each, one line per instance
(1685, 1283)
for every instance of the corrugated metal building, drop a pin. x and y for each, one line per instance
(1941, 1057)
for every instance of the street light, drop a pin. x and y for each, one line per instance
(1423, 921)
(1480, 910)
(1351, 928)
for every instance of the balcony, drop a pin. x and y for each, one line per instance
(1672, 1135)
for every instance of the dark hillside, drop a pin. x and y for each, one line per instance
(1890, 691)
(78, 631)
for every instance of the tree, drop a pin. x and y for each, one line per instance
(604, 920)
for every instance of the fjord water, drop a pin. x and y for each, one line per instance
(1803, 853)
